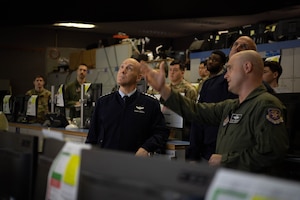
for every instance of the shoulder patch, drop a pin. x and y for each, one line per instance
(274, 115)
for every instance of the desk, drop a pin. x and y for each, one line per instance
(176, 149)
(76, 135)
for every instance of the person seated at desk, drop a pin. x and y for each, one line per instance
(44, 97)
(134, 124)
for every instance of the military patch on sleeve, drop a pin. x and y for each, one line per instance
(274, 116)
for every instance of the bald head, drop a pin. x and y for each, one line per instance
(241, 44)
(252, 57)
(244, 72)
(129, 75)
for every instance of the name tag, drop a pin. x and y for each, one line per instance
(235, 118)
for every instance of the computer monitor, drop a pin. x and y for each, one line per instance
(292, 103)
(108, 174)
(93, 93)
(51, 148)
(60, 100)
(18, 155)
(19, 108)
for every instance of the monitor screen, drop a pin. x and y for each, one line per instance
(51, 147)
(18, 155)
(94, 92)
(19, 109)
(292, 103)
(60, 101)
(92, 95)
(106, 174)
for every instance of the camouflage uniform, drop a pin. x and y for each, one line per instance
(43, 103)
(186, 88)
(189, 91)
(151, 91)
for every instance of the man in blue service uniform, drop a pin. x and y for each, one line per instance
(133, 125)
(252, 134)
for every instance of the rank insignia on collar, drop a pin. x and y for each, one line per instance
(274, 116)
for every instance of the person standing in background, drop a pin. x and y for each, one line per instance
(127, 119)
(73, 91)
(203, 73)
(44, 97)
(272, 73)
(215, 88)
(178, 83)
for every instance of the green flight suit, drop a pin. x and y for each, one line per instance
(252, 135)
(73, 95)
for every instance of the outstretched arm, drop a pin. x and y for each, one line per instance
(156, 78)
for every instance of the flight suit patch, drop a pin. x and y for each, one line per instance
(235, 118)
(274, 116)
(232, 119)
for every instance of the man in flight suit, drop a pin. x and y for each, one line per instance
(252, 134)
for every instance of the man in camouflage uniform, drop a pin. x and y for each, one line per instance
(44, 97)
(178, 83)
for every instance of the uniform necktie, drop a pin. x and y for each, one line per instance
(125, 98)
